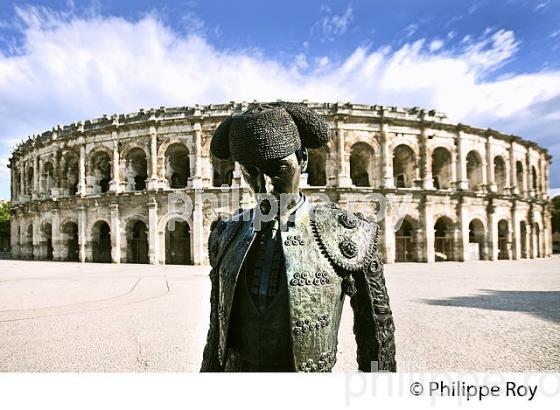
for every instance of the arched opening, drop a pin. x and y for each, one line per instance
(500, 174)
(361, 164)
(222, 172)
(177, 166)
(537, 231)
(477, 240)
(474, 171)
(16, 188)
(136, 170)
(101, 242)
(29, 181)
(100, 172)
(441, 168)
(534, 180)
(70, 241)
(523, 239)
(503, 239)
(316, 167)
(404, 166)
(29, 242)
(405, 242)
(136, 242)
(46, 244)
(47, 178)
(177, 243)
(444, 242)
(519, 175)
(70, 174)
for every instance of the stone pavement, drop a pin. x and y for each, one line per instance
(474, 316)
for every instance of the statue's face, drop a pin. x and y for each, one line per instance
(279, 176)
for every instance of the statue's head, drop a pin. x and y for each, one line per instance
(270, 143)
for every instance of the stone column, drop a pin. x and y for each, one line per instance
(21, 182)
(389, 237)
(462, 233)
(82, 239)
(425, 161)
(427, 221)
(82, 172)
(528, 175)
(36, 175)
(153, 180)
(198, 229)
(153, 247)
(492, 230)
(491, 178)
(386, 160)
(342, 163)
(462, 181)
(37, 254)
(115, 234)
(196, 159)
(15, 240)
(115, 184)
(56, 235)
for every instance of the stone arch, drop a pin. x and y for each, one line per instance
(477, 240)
(537, 240)
(177, 240)
(523, 239)
(136, 169)
(70, 240)
(16, 187)
(362, 164)
(47, 178)
(317, 166)
(69, 173)
(474, 170)
(441, 168)
(407, 241)
(504, 241)
(29, 177)
(222, 172)
(99, 170)
(404, 166)
(444, 239)
(534, 179)
(46, 241)
(519, 175)
(101, 242)
(500, 174)
(137, 244)
(177, 165)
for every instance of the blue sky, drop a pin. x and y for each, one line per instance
(488, 63)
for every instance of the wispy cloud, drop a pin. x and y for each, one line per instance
(410, 30)
(332, 25)
(542, 5)
(71, 67)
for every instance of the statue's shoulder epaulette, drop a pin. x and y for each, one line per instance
(222, 231)
(349, 240)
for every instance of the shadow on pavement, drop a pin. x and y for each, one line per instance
(542, 304)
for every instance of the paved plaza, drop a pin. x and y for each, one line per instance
(474, 316)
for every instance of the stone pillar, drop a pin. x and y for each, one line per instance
(427, 222)
(82, 171)
(425, 161)
(36, 175)
(37, 254)
(115, 184)
(153, 242)
(115, 234)
(21, 182)
(386, 160)
(56, 235)
(492, 229)
(198, 255)
(196, 159)
(462, 181)
(491, 178)
(82, 239)
(462, 233)
(516, 233)
(342, 163)
(528, 175)
(15, 239)
(389, 237)
(153, 180)
(514, 189)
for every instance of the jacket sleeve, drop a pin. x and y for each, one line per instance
(210, 360)
(373, 320)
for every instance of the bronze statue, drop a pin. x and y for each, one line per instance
(280, 271)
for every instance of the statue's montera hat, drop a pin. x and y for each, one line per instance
(269, 131)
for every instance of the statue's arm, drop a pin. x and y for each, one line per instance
(373, 321)
(210, 361)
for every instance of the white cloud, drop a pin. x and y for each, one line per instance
(72, 68)
(333, 25)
